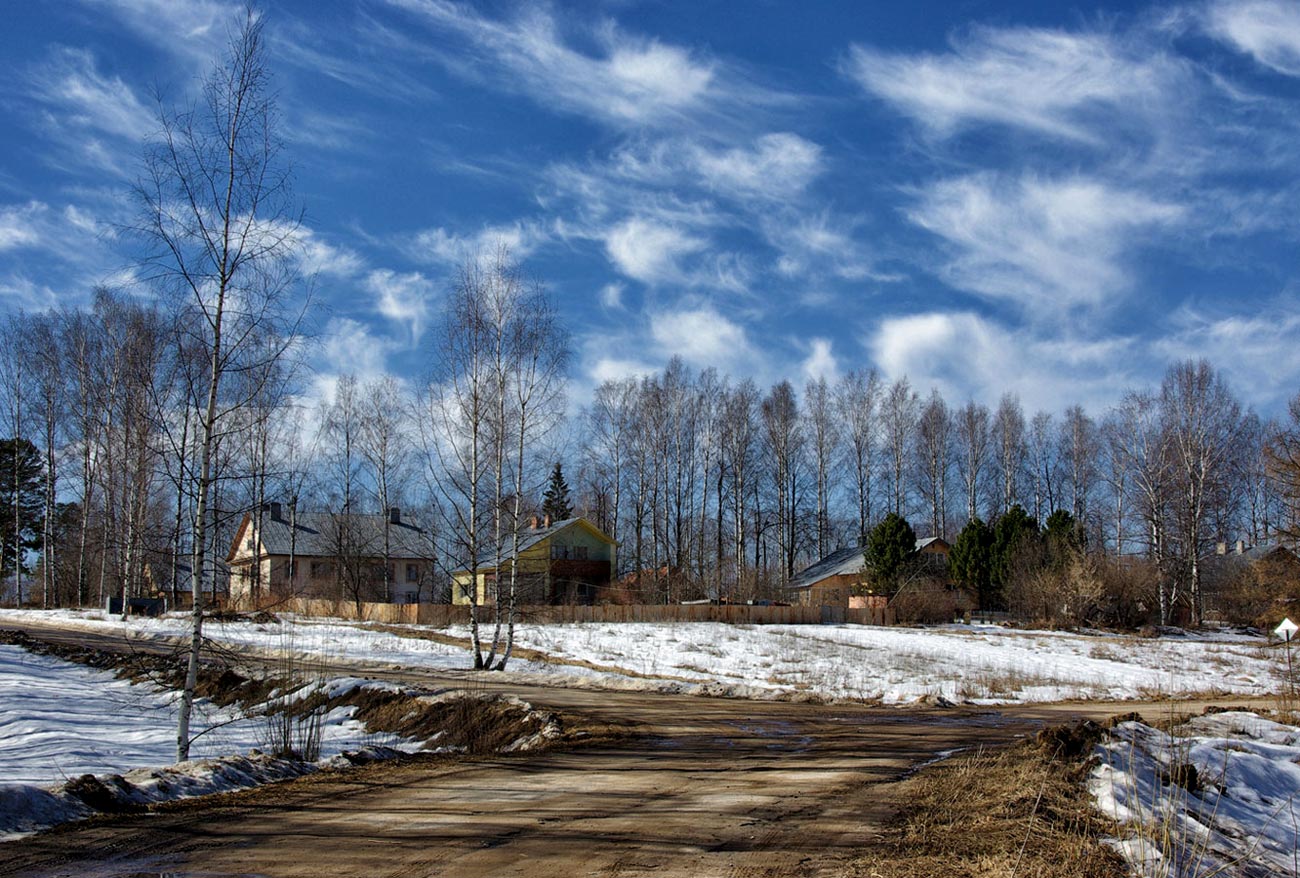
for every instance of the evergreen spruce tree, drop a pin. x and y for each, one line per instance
(890, 546)
(555, 502)
(971, 562)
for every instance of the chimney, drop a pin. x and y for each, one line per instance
(1241, 547)
(532, 522)
(1220, 548)
(546, 520)
(275, 511)
(394, 515)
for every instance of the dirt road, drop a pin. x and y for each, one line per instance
(702, 787)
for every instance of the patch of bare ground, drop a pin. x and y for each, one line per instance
(1015, 811)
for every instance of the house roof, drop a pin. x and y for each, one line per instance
(529, 537)
(846, 562)
(320, 534)
(1251, 555)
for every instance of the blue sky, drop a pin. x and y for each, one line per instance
(1051, 200)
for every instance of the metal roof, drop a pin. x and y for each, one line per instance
(843, 562)
(323, 534)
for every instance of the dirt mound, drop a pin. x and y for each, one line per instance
(110, 794)
(1070, 741)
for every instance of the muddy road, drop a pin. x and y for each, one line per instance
(696, 787)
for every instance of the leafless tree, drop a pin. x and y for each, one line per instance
(611, 420)
(1078, 447)
(739, 443)
(899, 411)
(824, 435)
(784, 441)
(971, 436)
(217, 225)
(384, 447)
(857, 398)
(1009, 443)
(1044, 464)
(1201, 421)
(1283, 456)
(934, 447)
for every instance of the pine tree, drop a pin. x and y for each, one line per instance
(25, 458)
(555, 502)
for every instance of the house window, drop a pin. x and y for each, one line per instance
(251, 544)
(321, 569)
(412, 573)
(560, 553)
(580, 553)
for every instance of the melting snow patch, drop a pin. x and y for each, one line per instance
(1218, 795)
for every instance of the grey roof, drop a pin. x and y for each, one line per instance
(528, 537)
(1250, 555)
(845, 562)
(321, 533)
(842, 562)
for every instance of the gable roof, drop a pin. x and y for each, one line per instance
(318, 534)
(844, 562)
(530, 537)
(851, 561)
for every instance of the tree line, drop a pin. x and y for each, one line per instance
(142, 427)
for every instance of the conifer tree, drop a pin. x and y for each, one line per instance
(555, 502)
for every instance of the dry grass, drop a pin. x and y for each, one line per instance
(1020, 811)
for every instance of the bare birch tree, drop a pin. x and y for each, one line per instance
(857, 398)
(218, 227)
(971, 435)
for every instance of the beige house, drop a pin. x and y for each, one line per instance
(841, 578)
(330, 555)
(565, 562)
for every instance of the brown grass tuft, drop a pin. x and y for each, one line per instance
(1021, 811)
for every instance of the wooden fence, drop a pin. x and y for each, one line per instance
(444, 615)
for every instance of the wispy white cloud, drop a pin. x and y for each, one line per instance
(701, 336)
(1054, 82)
(196, 29)
(1267, 30)
(441, 246)
(18, 224)
(778, 166)
(317, 256)
(821, 361)
(650, 251)
(402, 298)
(1257, 350)
(624, 79)
(1038, 241)
(967, 355)
(97, 120)
(611, 296)
(814, 244)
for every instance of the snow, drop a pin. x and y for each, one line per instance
(1242, 816)
(60, 720)
(960, 663)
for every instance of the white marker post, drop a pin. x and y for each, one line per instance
(1287, 632)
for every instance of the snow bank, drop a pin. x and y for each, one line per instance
(1219, 795)
(959, 663)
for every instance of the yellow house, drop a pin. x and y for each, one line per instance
(565, 562)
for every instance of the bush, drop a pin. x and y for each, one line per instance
(928, 601)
